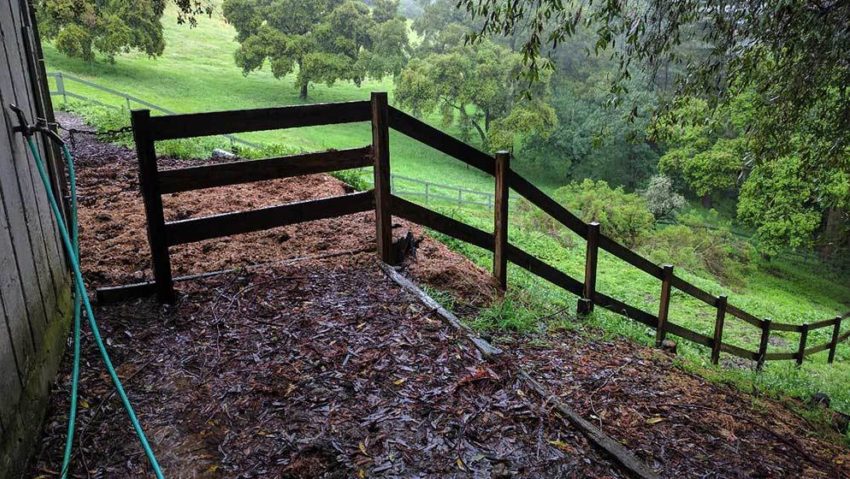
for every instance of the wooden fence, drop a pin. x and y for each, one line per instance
(163, 234)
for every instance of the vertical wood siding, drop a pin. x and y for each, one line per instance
(34, 283)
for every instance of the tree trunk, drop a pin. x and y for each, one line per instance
(303, 94)
(831, 236)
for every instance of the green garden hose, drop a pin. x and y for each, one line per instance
(81, 300)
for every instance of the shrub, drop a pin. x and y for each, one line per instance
(663, 202)
(623, 216)
(701, 249)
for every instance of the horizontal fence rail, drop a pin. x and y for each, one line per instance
(162, 235)
(222, 174)
(401, 185)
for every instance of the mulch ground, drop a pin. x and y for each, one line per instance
(321, 367)
(675, 421)
(318, 369)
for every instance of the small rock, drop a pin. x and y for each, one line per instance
(819, 400)
(668, 346)
(219, 153)
(283, 237)
(840, 422)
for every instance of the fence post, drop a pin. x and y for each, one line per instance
(500, 222)
(591, 258)
(765, 336)
(801, 351)
(664, 307)
(718, 329)
(149, 181)
(60, 86)
(381, 157)
(833, 345)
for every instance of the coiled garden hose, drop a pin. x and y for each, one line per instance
(81, 299)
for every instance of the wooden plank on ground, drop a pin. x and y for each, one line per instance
(199, 229)
(223, 174)
(634, 466)
(190, 125)
(483, 346)
(623, 456)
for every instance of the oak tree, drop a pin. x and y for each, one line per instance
(322, 41)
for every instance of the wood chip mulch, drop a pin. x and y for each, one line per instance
(675, 421)
(323, 369)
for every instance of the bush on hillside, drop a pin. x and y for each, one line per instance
(663, 202)
(623, 216)
(701, 249)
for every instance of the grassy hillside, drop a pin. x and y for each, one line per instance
(784, 292)
(197, 73)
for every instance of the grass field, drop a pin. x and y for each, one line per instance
(197, 73)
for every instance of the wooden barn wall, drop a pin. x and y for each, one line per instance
(34, 281)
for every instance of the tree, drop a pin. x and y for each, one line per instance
(325, 40)
(661, 199)
(707, 148)
(477, 89)
(83, 28)
(789, 58)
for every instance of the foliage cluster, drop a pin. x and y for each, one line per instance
(661, 199)
(322, 41)
(83, 28)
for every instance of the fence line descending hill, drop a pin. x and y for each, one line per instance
(163, 235)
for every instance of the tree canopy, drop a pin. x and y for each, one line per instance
(323, 40)
(83, 28)
(474, 87)
(788, 60)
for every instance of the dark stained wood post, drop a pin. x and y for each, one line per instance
(500, 222)
(381, 156)
(149, 181)
(591, 258)
(664, 307)
(765, 337)
(833, 345)
(718, 329)
(801, 351)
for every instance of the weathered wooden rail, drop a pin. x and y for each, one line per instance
(162, 234)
